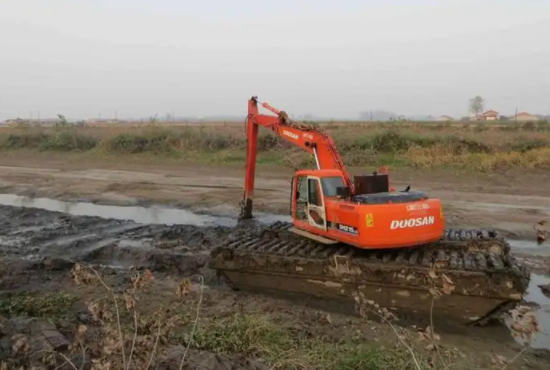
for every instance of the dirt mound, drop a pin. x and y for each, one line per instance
(34, 234)
(38, 246)
(37, 334)
(155, 260)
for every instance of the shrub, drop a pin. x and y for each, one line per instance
(22, 141)
(131, 143)
(524, 145)
(390, 141)
(268, 142)
(68, 140)
(462, 145)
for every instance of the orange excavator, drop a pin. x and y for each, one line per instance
(351, 237)
(328, 206)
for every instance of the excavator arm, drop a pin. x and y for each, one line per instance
(309, 138)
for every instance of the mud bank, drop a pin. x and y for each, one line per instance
(143, 214)
(35, 235)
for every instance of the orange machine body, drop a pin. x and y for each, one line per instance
(387, 224)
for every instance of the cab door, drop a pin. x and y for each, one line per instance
(316, 214)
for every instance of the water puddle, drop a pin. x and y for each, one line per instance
(143, 215)
(530, 247)
(542, 312)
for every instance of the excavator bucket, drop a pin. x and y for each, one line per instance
(471, 272)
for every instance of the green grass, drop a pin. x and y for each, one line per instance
(281, 347)
(53, 306)
(469, 146)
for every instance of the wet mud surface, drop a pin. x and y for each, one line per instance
(39, 247)
(41, 239)
(54, 240)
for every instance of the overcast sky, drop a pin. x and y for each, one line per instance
(327, 58)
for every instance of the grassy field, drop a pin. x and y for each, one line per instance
(464, 146)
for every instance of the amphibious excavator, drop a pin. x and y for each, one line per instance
(359, 236)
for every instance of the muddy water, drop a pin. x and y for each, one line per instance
(142, 215)
(535, 295)
(158, 238)
(530, 247)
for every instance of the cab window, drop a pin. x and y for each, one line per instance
(302, 189)
(330, 184)
(314, 192)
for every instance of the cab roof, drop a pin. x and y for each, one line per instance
(320, 173)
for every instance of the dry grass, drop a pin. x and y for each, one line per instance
(465, 146)
(443, 156)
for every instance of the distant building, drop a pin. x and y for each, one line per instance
(490, 115)
(444, 119)
(524, 117)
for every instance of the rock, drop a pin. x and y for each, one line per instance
(40, 333)
(161, 261)
(5, 345)
(16, 325)
(542, 229)
(41, 325)
(202, 360)
(540, 353)
(56, 339)
(85, 317)
(545, 289)
(55, 264)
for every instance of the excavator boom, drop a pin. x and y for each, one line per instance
(307, 137)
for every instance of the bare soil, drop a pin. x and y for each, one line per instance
(38, 248)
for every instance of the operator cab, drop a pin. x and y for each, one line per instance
(312, 186)
(323, 208)
(310, 190)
